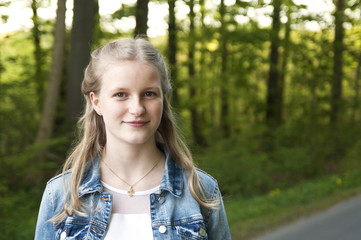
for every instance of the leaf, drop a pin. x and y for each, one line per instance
(124, 11)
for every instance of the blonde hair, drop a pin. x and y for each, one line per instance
(92, 129)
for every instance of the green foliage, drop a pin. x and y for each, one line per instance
(22, 177)
(238, 171)
(124, 11)
(352, 158)
(18, 211)
(245, 167)
(255, 160)
(3, 5)
(18, 112)
(248, 217)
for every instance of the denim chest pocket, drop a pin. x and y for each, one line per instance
(73, 228)
(190, 231)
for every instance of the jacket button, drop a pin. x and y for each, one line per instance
(161, 200)
(202, 232)
(63, 235)
(162, 229)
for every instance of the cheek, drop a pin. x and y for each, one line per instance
(157, 109)
(113, 110)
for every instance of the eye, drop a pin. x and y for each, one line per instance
(150, 94)
(120, 95)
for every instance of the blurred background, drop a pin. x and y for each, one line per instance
(267, 94)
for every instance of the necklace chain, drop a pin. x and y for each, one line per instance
(131, 190)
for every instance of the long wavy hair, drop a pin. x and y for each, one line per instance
(92, 130)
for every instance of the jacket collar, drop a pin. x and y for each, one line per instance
(172, 180)
(91, 179)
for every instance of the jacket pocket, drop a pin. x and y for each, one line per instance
(192, 231)
(73, 228)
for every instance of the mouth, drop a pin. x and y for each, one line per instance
(136, 124)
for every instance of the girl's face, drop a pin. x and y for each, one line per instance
(130, 101)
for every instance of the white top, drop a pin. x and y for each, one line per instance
(130, 218)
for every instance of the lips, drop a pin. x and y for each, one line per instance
(136, 124)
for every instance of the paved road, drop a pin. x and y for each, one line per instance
(340, 222)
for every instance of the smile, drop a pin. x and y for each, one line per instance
(136, 124)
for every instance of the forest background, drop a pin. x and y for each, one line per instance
(262, 107)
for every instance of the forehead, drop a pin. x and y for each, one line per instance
(128, 73)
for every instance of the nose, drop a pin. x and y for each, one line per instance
(136, 107)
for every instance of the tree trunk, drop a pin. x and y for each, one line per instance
(38, 54)
(172, 49)
(336, 92)
(97, 30)
(285, 57)
(204, 91)
(52, 93)
(141, 18)
(80, 47)
(196, 130)
(224, 86)
(274, 104)
(357, 89)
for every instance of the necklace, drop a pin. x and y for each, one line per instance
(131, 190)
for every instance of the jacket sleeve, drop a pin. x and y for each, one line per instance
(44, 228)
(217, 224)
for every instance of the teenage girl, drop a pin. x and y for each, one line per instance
(130, 176)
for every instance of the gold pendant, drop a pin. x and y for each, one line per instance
(131, 191)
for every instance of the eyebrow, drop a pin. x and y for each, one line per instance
(153, 88)
(127, 89)
(118, 89)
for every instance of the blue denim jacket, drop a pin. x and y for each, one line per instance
(174, 212)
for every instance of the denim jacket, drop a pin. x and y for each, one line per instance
(174, 212)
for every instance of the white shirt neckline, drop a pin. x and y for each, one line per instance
(137, 193)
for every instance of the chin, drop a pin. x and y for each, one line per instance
(139, 141)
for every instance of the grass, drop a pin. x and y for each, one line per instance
(251, 217)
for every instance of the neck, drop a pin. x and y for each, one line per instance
(130, 160)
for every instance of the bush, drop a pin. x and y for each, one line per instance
(19, 210)
(352, 158)
(237, 169)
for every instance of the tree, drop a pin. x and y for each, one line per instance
(356, 101)
(193, 95)
(224, 93)
(52, 93)
(338, 47)
(274, 104)
(285, 56)
(38, 53)
(172, 47)
(357, 88)
(3, 19)
(205, 106)
(85, 13)
(141, 18)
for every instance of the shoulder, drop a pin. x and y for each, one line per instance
(53, 197)
(55, 186)
(59, 179)
(205, 177)
(208, 183)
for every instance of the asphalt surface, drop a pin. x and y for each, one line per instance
(340, 222)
